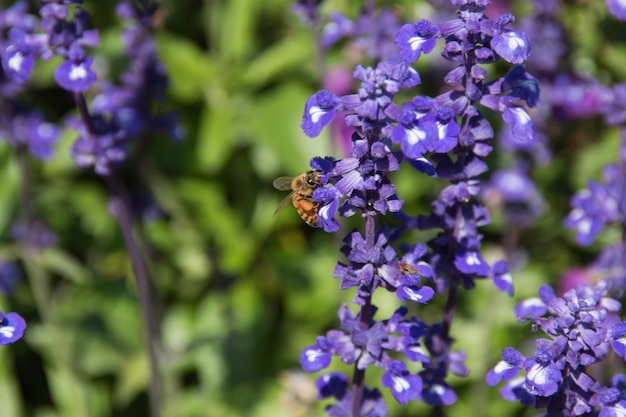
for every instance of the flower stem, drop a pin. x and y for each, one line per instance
(120, 204)
(122, 213)
(359, 374)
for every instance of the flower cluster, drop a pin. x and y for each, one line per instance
(582, 327)
(603, 203)
(68, 38)
(365, 342)
(120, 115)
(598, 205)
(20, 124)
(445, 136)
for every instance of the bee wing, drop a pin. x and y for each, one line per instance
(282, 183)
(285, 201)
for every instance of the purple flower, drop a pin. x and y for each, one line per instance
(436, 391)
(618, 339)
(414, 131)
(372, 405)
(403, 385)
(332, 384)
(412, 40)
(530, 309)
(17, 57)
(28, 129)
(470, 261)
(68, 38)
(617, 8)
(512, 46)
(520, 84)
(120, 114)
(515, 194)
(502, 277)
(104, 149)
(12, 327)
(507, 369)
(313, 359)
(9, 276)
(446, 136)
(75, 76)
(577, 96)
(543, 380)
(547, 36)
(414, 293)
(337, 27)
(596, 206)
(36, 234)
(307, 10)
(519, 120)
(326, 215)
(611, 267)
(319, 111)
(447, 131)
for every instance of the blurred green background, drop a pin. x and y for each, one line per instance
(240, 292)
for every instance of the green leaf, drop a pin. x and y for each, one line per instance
(215, 137)
(8, 190)
(63, 264)
(188, 66)
(132, 381)
(590, 163)
(288, 54)
(9, 392)
(236, 25)
(237, 246)
(276, 124)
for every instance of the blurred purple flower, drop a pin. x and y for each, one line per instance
(26, 128)
(123, 114)
(515, 194)
(12, 327)
(75, 75)
(67, 39)
(308, 10)
(370, 32)
(598, 205)
(617, 8)
(575, 97)
(36, 234)
(610, 265)
(10, 275)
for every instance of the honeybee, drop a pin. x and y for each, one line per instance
(302, 188)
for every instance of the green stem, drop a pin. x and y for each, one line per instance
(123, 216)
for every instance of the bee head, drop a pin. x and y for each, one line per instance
(313, 178)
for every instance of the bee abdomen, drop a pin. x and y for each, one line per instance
(307, 210)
